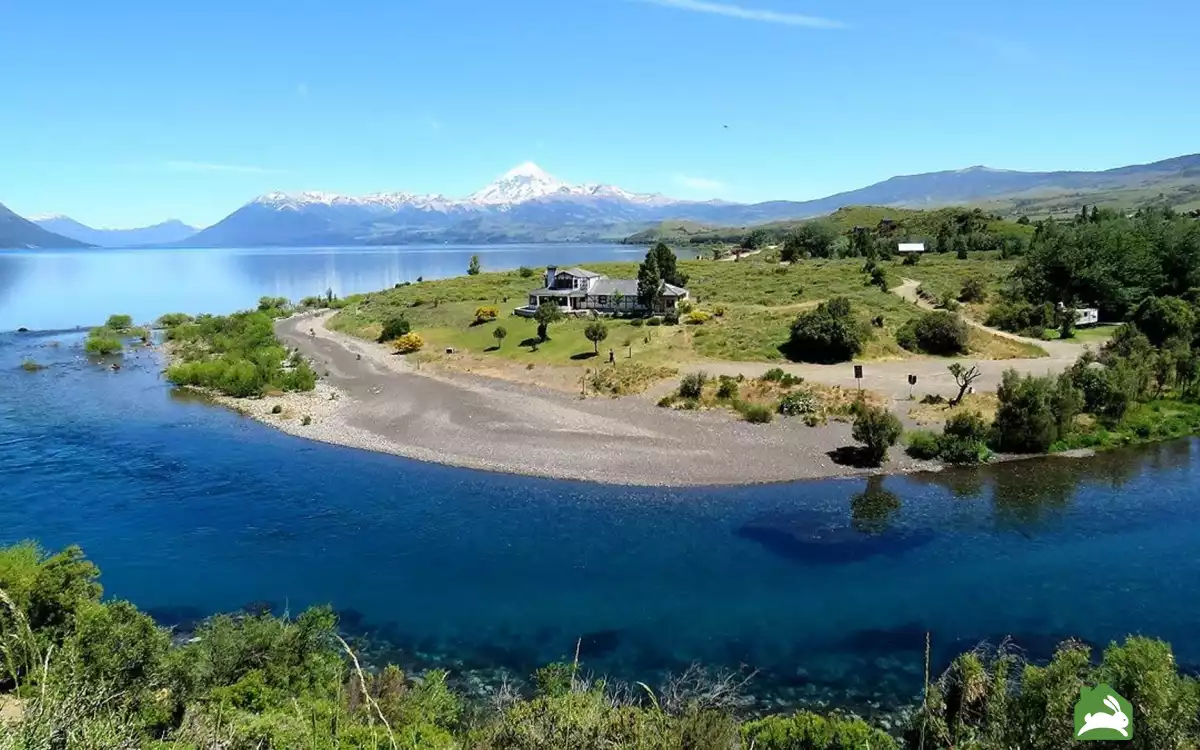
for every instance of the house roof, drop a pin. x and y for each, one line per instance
(912, 247)
(670, 290)
(577, 293)
(579, 273)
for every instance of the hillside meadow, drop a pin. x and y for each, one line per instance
(752, 304)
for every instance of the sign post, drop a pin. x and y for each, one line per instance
(912, 380)
(858, 376)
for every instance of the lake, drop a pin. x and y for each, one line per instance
(826, 587)
(56, 289)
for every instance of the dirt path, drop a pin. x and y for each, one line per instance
(890, 379)
(464, 420)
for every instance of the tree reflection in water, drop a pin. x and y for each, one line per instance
(873, 510)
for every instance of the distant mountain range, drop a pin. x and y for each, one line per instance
(528, 205)
(166, 233)
(19, 233)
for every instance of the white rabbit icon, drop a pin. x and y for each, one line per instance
(1116, 720)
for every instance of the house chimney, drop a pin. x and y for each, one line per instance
(550, 273)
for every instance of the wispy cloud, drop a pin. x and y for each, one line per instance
(302, 90)
(749, 14)
(699, 183)
(200, 166)
(434, 124)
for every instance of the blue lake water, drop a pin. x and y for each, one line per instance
(827, 587)
(55, 289)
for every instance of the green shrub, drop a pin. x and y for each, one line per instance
(878, 429)
(939, 333)
(103, 342)
(684, 307)
(667, 401)
(964, 439)
(692, 385)
(670, 319)
(798, 404)
(1165, 320)
(306, 420)
(923, 445)
(274, 305)
(973, 290)
(1035, 412)
(808, 731)
(525, 272)
(697, 317)
(727, 387)
(170, 320)
(29, 365)
(394, 327)
(1020, 317)
(828, 334)
(720, 310)
(119, 322)
(654, 321)
(757, 413)
(637, 322)
(277, 409)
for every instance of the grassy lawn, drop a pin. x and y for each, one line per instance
(1093, 335)
(758, 301)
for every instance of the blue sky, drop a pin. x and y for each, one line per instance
(130, 112)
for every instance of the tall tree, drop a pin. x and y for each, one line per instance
(665, 260)
(649, 281)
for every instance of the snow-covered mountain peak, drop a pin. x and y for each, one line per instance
(528, 169)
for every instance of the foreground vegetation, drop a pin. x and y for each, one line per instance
(79, 672)
(235, 355)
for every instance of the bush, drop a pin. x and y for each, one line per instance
(798, 404)
(29, 365)
(654, 321)
(103, 342)
(486, 314)
(170, 320)
(973, 290)
(727, 387)
(923, 445)
(1165, 320)
(637, 322)
(277, 409)
(828, 334)
(119, 322)
(782, 377)
(525, 272)
(757, 413)
(879, 278)
(274, 305)
(878, 429)
(1034, 413)
(940, 333)
(685, 307)
(697, 317)
(964, 439)
(394, 327)
(692, 385)
(670, 319)
(409, 343)
(720, 310)
(1018, 317)
(808, 731)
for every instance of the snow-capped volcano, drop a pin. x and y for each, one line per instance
(523, 183)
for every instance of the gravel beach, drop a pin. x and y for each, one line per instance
(375, 400)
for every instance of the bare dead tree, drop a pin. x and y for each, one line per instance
(700, 688)
(963, 378)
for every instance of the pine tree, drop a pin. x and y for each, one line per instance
(649, 281)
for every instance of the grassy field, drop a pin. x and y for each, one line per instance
(754, 302)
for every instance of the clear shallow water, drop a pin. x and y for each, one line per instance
(827, 587)
(52, 289)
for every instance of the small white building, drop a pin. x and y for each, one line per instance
(1087, 316)
(912, 247)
